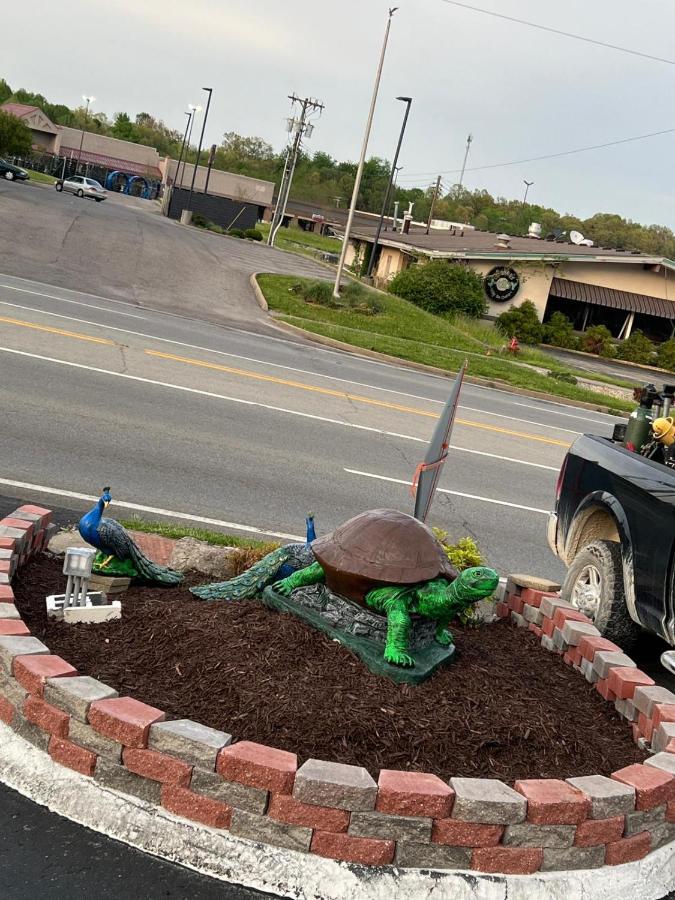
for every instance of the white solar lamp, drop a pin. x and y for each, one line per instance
(77, 565)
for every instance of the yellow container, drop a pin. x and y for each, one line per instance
(664, 430)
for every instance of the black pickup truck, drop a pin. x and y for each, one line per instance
(614, 527)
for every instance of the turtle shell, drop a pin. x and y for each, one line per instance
(379, 547)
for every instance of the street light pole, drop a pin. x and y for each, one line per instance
(193, 110)
(466, 156)
(180, 158)
(86, 119)
(385, 205)
(362, 160)
(199, 148)
(528, 185)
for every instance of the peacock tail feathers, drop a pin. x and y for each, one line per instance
(149, 570)
(252, 582)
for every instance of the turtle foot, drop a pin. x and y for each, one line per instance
(397, 658)
(444, 638)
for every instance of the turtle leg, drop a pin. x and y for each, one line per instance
(398, 633)
(443, 636)
(313, 574)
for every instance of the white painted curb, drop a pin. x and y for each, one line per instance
(297, 875)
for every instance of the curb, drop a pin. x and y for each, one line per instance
(259, 296)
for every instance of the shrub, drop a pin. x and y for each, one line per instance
(522, 322)
(636, 348)
(253, 234)
(462, 555)
(353, 296)
(558, 331)
(236, 232)
(217, 229)
(200, 221)
(567, 377)
(666, 355)
(598, 339)
(440, 287)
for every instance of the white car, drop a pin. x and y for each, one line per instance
(82, 187)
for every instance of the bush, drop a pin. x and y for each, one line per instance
(521, 322)
(598, 340)
(200, 221)
(666, 355)
(353, 296)
(558, 331)
(216, 229)
(440, 287)
(637, 348)
(236, 232)
(253, 234)
(567, 377)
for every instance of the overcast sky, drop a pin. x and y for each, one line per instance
(521, 92)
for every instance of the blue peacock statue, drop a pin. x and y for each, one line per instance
(111, 539)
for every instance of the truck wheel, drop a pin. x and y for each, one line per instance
(594, 585)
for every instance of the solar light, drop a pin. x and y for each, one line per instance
(77, 565)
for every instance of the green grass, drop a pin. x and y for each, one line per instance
(40, 177)
(407, 332)
(298, 241)
(168, 530)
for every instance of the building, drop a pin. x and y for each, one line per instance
(45, 134)
(621, 289)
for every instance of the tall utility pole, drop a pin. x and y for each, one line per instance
(392, 175)
(362, 160)
(180, 158)
(300, 126)
(86, 121)
(466, 156)
(528, 185)
(199, 148)
(434, 198)
(193, 112)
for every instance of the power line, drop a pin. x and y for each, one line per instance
(560, 32)
(518, 162)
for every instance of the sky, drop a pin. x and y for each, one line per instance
(521, 92)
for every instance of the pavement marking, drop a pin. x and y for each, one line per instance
(117, 312)
(60, 492)
(454, 493)
(281, 409)
(258, 376)
(59, 331)
(557, 412)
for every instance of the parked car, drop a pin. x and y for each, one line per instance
(82, 187)
(614, 527)
(12, 173)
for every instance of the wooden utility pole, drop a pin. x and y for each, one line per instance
(437, 191)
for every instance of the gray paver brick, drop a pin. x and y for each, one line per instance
(644, 820)
(573, 632)
(85, 736)
(604, 660)
(12, 646)
(589, 672)
(120, 779)
(520, 621)
(238, 796)
(533, 614)
(662, 834)
(431, 856)
(76, 693)
(488, 801)
(30, 732)
(390, 828)
(11, 690)
(608, 797)
(9, 611)
(662, 735)
(559, 641)
(268, 831)
(526, 835)
(324, 783)
(663, 761)
(195, 743)
(17, 533)
(573, 858)
(547, 642)
(626, 709)
(646, 697)
(550, 604)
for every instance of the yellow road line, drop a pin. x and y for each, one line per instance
(60, 331)
(258, 376)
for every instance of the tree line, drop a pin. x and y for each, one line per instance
(321, 179)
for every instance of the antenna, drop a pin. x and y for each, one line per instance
(576, 237)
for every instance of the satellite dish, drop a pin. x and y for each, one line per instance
(576, 237)
(587, 242)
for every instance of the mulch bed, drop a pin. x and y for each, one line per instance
(504, 708)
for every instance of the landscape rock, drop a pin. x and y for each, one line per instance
(190, 555)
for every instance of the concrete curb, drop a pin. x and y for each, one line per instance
(259, 296)
(262, 867)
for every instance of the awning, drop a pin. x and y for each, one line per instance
(602, 296)
(109, 162)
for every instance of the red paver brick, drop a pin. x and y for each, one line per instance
(624, 681)
(589, 645)
(534, 598)
(6, 711)
(572, 657)
(507, 860)
(72, 756)
(12, 626)
(599, 831)
(547, 627)
(602, 687)
(517, 605)
(258, 766)
(562, 615)
(45, 514)
(8, 543)
(366, 851)
(185, 803)
(32, 671)
(637, 733)
(663, 712)
(670, 811)
(413, 794)
(124, 720)
(466, 834)
(646, 726)
(6, 594)
(652, 786)
(21, 524)
(628, 849)
(157, 766)
(502, 610)
(5, 566)
(535, 629)
(285, 808)
(45, 716)
(553, 802)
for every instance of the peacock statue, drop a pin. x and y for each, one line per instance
(281, 563)
(113, 541)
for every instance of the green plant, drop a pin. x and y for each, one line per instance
(15, 136)
(353, 296)
(217, 229)
(666, 355)
(200, 221)
(522, 322)
(440, 287)
(567, 377)
(236, 232)
(559, 332)
(598, 339)
(637, 348)
(253, 234)
(463, 555)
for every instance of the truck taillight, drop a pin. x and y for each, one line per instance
(561, 478)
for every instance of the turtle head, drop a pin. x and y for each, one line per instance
(478, 581)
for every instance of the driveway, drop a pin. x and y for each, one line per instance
(596, 365)
(127, 252)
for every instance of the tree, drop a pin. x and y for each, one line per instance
(123, 128)
(15, 136)
(442, 288)
(521, 322)
(559, 332)
(5, 91)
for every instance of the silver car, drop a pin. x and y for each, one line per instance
(82, 187)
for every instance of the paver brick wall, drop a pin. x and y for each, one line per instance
(408, 819)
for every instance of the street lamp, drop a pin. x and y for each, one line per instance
(199, 148)
(392, 175)
(88, 100)
(528, 185)
(189, 115)
(77, 566)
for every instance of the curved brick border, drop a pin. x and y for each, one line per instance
(408, 819)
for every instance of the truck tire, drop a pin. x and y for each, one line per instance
(594, 585)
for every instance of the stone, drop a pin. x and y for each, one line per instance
(33, 671)
(644, 820)
(526, 835)
(239, 796)
(217, 563)
(366, 851)
(645, 698)
(30, 732)
(466, 834)
(547, 642)
(285, 808)
(12, 646)
(573, 858)
(551, 801)
(121, 779)
(431, 856)
(573, 632)
(9, 611)
(387, 827)
(628, 849)
(550, 604)
(109, 584)
(268, 831)
(11, 690)
(45, 716)
(258, 766)
(183, 802)
(533, 582)
(663, 761)
(73, 757)
(157, 766)
(520, 621)
(626, 709)
(533, 614)
(86, 737)
(195, 743)
(624, 681)
(413, 794)
(604, 660)
(559, 642)
(124, 719)
(13, 626)
(70, 537)
(662, 736)
(652, 785)
(487, 801)
(594, 832)
(334, 784)
(76, 694)
(507, 860)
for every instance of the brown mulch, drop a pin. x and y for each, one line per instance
(504, 708)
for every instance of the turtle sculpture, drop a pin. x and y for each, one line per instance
(386, 561)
